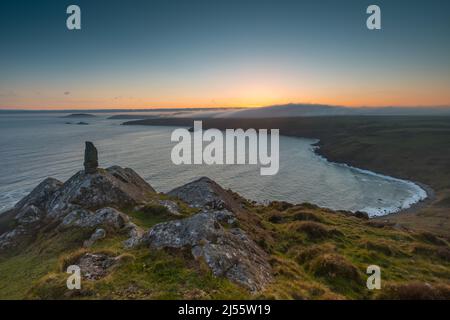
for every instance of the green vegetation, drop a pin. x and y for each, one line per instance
(315, 254)
(328, 259)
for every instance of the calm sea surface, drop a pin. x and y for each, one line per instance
(39, 145)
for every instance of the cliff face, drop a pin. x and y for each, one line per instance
(201, 241)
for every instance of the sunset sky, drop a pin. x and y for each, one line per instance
(217, 53)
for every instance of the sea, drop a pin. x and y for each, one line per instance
(37, 145)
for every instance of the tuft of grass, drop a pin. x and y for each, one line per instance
(316, 231)
(415, 291)
(431, 238)
(150, 215)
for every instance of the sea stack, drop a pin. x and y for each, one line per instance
(90, 158)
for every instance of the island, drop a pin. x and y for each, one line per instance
(80, 115)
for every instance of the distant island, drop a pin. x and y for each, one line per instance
(79, 123)
(131, 117)
(79, 115)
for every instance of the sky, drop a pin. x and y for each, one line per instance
(223, 53)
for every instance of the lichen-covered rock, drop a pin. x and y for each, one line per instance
(40, 195)
(229, 253)
(94, 266)
(29, 214)
(107, 217)
(114, 186)
(135, 234)
(97, 235)
(205, 193)
(171, 206)
(9, 239)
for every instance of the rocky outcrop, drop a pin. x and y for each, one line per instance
(205, 193)
(86, 200)
(10, 238)
(228, 252)
(40, 195)
(107, 217)
(92, 199)
(28, 213)
(115, 186)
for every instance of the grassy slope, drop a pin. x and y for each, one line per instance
(315, 254)
(409, 147)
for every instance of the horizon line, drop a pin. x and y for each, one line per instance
(25, 109)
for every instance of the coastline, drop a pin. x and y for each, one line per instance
(424, 196)
(431, 196)
(411, 208)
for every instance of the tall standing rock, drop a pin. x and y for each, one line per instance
(90, 158)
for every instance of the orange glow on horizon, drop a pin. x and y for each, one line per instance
(250, 97)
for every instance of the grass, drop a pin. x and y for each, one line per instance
(314, 253)
(336, 262)
(144, 274)
(154, 213)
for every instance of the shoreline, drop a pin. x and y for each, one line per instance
(423, 199)
(414, 208)
(430, 194)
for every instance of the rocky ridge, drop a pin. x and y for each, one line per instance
(95, 199)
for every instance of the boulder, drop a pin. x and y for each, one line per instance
(94, 266)
(205, 193)
(135, 234)
(229, 253)
(97, 235)
(106, 217)
(171, 206)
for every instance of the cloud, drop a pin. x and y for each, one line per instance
(66, 93)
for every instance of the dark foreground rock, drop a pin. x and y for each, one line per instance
(90, 157)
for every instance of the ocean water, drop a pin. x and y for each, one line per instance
(39, 145)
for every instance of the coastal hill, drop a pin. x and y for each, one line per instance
(200, 241)
(318, 110)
